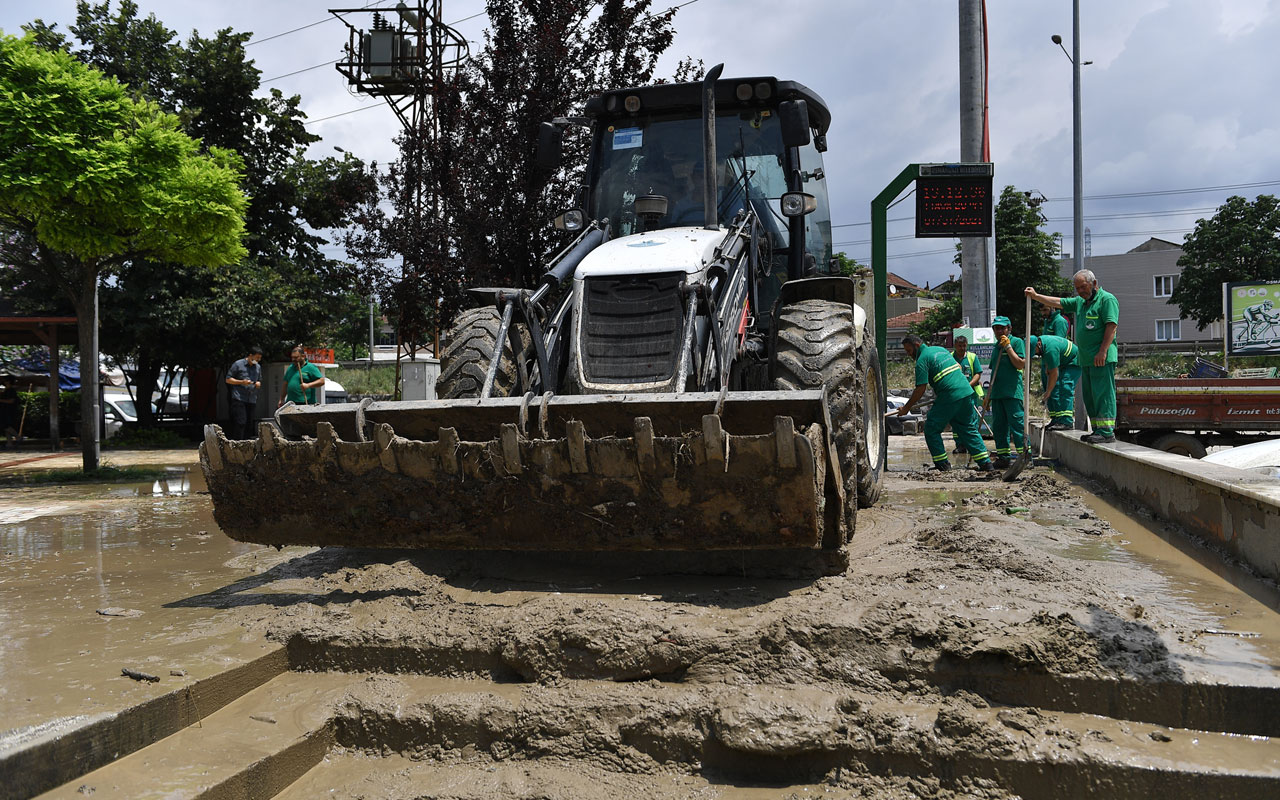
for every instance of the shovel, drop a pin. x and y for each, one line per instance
(1025, 456)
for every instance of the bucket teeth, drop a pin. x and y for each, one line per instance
(784, 431)
(577, 435)
(268, 437)
(669, 477)
(212, 448)
(714, 438)
(644, 445)
(324, 440)
(383, 435)
(510, 438)
(447, 447)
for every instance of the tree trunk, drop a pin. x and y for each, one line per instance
(145, 384)
(90, 409)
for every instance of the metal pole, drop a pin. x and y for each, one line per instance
(977, 273)
(370, 332)
(1077, 159)
(880, 255)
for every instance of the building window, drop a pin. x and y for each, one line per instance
(1165, 284)
(1168, 330)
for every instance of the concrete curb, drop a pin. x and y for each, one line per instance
(1231, 508)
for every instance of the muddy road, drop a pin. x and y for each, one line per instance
(988, 640)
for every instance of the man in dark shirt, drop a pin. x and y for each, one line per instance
(245, 379)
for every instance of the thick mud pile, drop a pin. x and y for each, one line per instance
(954, 658)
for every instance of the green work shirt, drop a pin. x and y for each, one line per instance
(1058, 352)
(970, 366)
(295, 392)
(1008, 380)
(1055, 325)
(936, 366)
(1091, 324)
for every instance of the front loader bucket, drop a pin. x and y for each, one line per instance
(626, 472)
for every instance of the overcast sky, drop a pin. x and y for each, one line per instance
(1178, 106)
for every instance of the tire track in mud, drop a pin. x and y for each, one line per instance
(951, 606)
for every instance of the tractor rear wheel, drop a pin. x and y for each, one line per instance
(873, 443)
(467, 350)
(815, 349)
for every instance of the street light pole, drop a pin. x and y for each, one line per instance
(1077, 158)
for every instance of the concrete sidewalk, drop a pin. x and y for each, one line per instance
(27, 460)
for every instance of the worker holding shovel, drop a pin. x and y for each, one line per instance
(953, 403)
(1005, 393)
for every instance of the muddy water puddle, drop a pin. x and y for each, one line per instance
(1241, 631)
(93, 580)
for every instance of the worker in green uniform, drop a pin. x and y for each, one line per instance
(1097, 314)
(1005, 394)
(952, 405)
(971, 366)
(1055, 324)
(1058, 360)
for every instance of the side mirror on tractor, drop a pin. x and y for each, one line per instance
(550, 145)
(794, 117)
(574, 219)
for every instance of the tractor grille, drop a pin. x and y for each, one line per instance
(631, 328)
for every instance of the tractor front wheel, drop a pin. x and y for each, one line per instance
(467, 350)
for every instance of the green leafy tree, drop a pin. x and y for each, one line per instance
(1025, 256)
(101, 178)
(286, 289)
(1241, 242)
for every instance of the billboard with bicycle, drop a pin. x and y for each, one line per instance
(1253, 313)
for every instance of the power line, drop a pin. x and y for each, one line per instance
(1138, 214)
(300, 71)
(376, 3)
(343, 113)
(1171, 191)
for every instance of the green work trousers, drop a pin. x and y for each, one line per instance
(1099, 386)
(1006, 422)
(1062, 403)
(963, 419)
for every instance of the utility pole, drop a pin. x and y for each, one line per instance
(977, 261)
(404, 60)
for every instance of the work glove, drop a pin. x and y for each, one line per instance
(1004, 342)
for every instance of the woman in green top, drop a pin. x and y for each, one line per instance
(300, 379)
(1097, 315)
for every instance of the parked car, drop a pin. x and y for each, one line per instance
(894, 424)
(117, 409)
(333, 392)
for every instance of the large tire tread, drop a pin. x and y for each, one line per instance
(815, 349)
(467, 349)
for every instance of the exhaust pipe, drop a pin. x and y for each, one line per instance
(711, 218)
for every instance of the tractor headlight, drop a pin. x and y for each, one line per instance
(797, 204)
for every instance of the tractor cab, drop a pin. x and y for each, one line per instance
(647, 168)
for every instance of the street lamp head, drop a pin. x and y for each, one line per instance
(1056, 39)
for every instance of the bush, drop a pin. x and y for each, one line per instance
(133, 437)
(37, 410)
(380, 379)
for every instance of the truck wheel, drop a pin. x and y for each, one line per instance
(814, 350)
(873, 444)
(466, 351)
(1183, 444)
